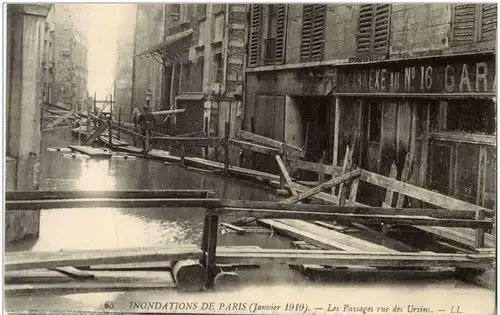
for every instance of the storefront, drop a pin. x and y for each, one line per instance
(440, 110)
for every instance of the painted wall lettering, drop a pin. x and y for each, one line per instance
(433, 76)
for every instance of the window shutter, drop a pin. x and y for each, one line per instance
(381, 28)
(281, 33)
(365, 28)
(255, 35)
(313, 25)
(488, 22)
(318, 32)
(307, 27)
(464, 20)
(373, 28)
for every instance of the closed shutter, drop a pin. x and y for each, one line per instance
(313, 25)
(373, 29)
(318, 32)
(464, 21)
(255, 35)
(488, 22)
(281, 33)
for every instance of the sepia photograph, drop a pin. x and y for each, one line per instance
(249, 158)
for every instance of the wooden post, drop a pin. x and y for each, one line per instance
(146, 146)
(389, 192)
(110, 133)
(336, 132)
(119, 122)
(282, 176)
(226, 149)
(212, 223)
(254, 155)
(183, 152)
(405, 175)
(353, 192)
(346, 168)
(480, 232)
(321, 174)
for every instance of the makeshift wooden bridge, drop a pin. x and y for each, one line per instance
(207, 267)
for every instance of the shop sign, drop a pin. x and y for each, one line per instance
(429, 77)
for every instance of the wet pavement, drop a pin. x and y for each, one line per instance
(100, 228)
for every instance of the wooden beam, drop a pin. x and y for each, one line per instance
(169, 111)
(315, 167)
(120, 194)
(253, 147)
(226, 206)
(293, 150)
(71, 204)
(389, 194)
(320, 188)
(342, 258)
(285, 174)
(405, 176)
(360, 218)
(96, 134)
(59, 120)
(419, 193)
(37, 260)
(187, 141)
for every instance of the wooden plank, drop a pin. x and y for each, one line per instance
(314, 167)
(36, 260)
(95, 134)
(405, 176)
(253, 147)
(347, 167)
(342, 258)
(169, 111)
(293, 150)
(239, 230)
(285, 174)
(225, 206)
(35, 276)
(187, 141)
(353, 192)
(86, 287)
(74, 272)
(320, 188)
(389, 194)
(419, 193)
(348, 240)
(69, 194)
(462, 236)
(93, 152)
(59, 120)
(114, 141)
(360, 218)
(72, 204)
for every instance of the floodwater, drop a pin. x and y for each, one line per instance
(100, 228)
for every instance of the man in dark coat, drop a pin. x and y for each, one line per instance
(146, 122)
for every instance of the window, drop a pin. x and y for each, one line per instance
(312, 39)
(373, 29)
(255, 35)
(471, 117)
(201, 10)
(375, 122)
(275, 42)
(473, 23)
(220, 70)
(175, 11)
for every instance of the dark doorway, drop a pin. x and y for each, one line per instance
(318, 120)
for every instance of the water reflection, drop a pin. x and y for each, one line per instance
(102, 228)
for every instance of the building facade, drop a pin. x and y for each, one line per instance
(70, 59)
(25, 88)
(124, 65)
(391, 78)
(198, 65)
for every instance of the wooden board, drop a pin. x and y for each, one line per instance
(70, 194)
(253, 147)
(292, 150)
(93, 152)
(342, 258)
(115, 142)
(36, 260)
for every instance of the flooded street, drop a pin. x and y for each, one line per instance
(100, 228)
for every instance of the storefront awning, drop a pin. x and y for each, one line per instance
(160, 49)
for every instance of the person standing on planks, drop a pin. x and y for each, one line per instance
(146, 121)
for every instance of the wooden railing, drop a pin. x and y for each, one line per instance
(215, 208)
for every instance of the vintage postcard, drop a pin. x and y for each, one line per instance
(250, 158)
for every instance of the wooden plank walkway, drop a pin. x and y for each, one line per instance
(343, 258)
(37, 260)
(93, 152)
